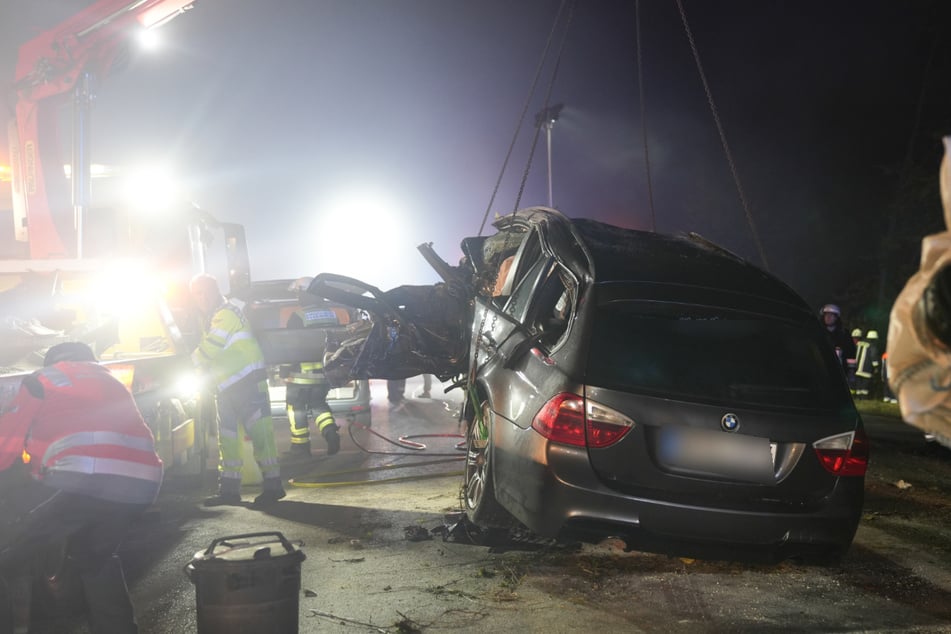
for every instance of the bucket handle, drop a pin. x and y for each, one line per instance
(223, 540)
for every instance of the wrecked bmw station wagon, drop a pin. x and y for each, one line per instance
(628, 384)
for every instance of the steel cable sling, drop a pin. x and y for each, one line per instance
(551, 84)
(726, 147)
(521, 118)
(643, 101)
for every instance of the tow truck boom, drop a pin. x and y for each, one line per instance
(61, 60)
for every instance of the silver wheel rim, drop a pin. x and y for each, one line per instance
(476, 465)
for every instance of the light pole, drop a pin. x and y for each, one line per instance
(547, 117)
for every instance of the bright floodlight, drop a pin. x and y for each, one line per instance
(150, 189)
(361, 234)
(149, 39)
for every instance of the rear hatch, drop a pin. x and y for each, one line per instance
(726, 405)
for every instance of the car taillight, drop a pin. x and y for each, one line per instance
(845, 454)
(567, 419)
(562, 419)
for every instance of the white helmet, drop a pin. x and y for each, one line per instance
(301, 284)
(831, 308)
(857, 332)
(872, 334)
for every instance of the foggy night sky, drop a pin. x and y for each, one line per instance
(271, 111)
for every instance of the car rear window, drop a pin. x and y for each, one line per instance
(713, 355)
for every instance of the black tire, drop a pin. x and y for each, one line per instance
(478, 496)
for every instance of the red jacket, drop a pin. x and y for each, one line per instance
(84, 434)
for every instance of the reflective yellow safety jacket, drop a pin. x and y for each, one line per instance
(228, 350)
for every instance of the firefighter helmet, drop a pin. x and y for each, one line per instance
(301, 284)
(69, 351)
(872, 334)
(857, 332)
(831, 308)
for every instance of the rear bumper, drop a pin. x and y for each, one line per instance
(563, 498)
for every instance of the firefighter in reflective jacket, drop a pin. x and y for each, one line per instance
(79, 465)
(868, 366)
(307, 385)
(231, 358)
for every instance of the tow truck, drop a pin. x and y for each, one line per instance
(106, 276)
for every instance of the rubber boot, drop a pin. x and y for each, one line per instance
(332, 437)
(229, 493)
(110, 608)
(300, 449)
(20, 594)
(272, 492)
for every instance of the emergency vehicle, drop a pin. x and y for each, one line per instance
(116, 280)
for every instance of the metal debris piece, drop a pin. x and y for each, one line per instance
(416, 533)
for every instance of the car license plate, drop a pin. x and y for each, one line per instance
(716, 453)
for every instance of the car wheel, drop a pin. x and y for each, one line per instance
(479, 488)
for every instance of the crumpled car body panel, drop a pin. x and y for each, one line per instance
(412, 330)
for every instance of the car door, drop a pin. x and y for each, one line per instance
(532, 363)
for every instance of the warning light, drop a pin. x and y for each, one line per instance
(25, 457)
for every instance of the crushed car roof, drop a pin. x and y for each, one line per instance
(660, 265)
(629, 255)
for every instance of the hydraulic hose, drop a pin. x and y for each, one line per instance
(403, 441)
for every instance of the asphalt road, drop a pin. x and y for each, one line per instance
(384, 553)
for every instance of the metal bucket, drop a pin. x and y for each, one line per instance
(247, 584)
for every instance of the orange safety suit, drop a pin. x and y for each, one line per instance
(83, 433)
(91, 470)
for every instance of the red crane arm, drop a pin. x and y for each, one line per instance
(50, 63)
(48, 66)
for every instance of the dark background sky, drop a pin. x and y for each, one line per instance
(274, 113)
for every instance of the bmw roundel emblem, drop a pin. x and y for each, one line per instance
(729, 422)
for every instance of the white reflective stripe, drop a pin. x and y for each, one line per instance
(55, 376)
(86, 438)
(240, 374)
(109, 466)
(269, 462)
(228, 337)
(220, 333)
